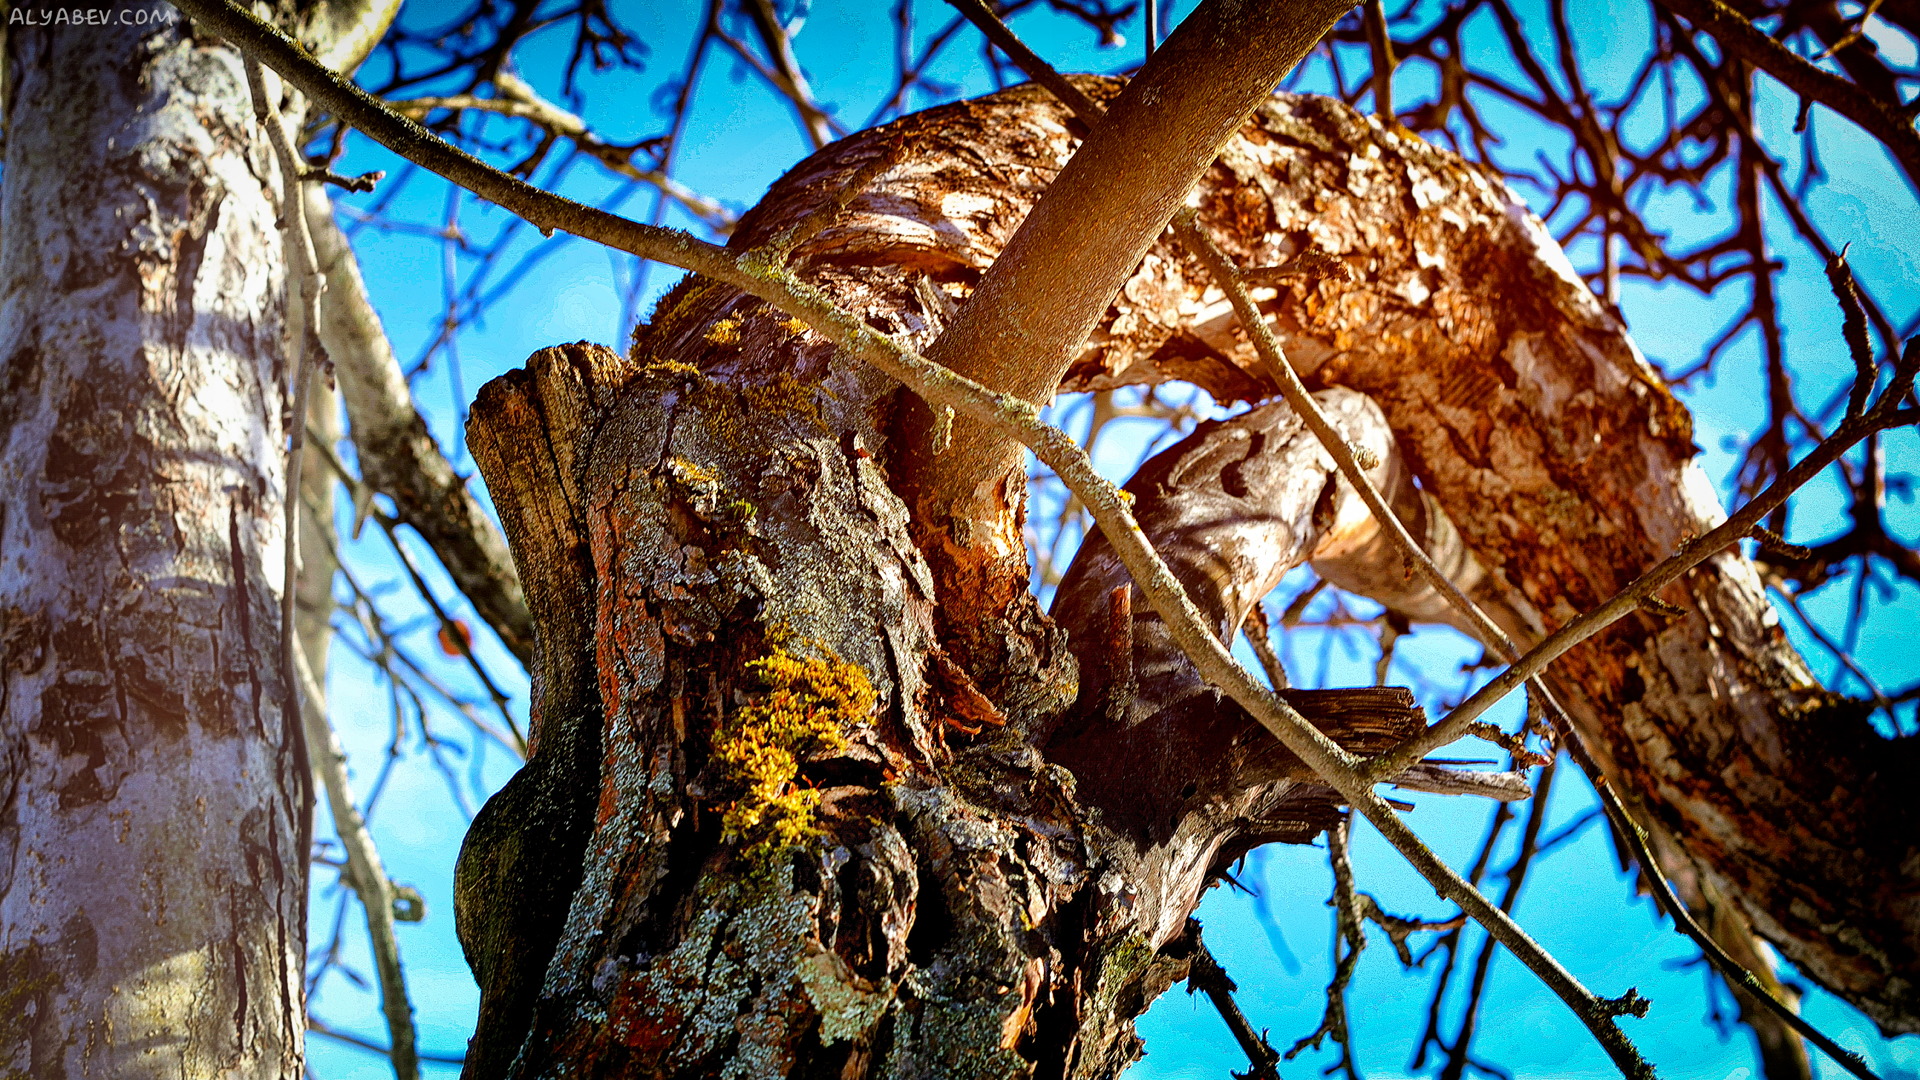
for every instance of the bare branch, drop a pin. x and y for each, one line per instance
(365, 874)
(398, 456)
(980, 15)
(1884, 120)
(517, 99)
(1349, 932)
(1205, 974)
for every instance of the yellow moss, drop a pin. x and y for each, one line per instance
(803, 704)
(690, 473)
(785, 394)
(793, 326)
(724, 332)
(748, 418)
(691, 299)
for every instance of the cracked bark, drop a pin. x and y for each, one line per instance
(995, 904)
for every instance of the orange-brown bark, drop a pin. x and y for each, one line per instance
(961, 911)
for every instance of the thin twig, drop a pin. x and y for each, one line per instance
(1205, 974)
(317, 744)
(1003, 38)
(1260, 636)
(1885, 121)
(1350, 933)
(453, 631)
(325, 1030)
(365, 875)
(1516, 875)
(516, 98)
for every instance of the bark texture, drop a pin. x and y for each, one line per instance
(1532, 421)
(955, 904)
(152, 871)
(815, 845)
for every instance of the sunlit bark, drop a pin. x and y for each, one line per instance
(152, 823)
(722, 497)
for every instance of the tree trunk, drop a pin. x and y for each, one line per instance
(770, 827)
(152, 814)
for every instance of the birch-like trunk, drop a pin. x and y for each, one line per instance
(727, 857)
(152, 824)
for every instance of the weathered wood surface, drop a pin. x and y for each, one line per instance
(971, 906)
(1525, 410)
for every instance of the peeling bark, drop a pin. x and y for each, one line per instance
(152, 877)
(1525, 411)
(1003, 863)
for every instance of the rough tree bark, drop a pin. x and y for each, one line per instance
(771, 827)
(153, 817)
(152, 862)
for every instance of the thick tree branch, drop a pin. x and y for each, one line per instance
(1737, 527)
(1037, 303)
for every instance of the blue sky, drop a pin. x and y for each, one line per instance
(1577, 902)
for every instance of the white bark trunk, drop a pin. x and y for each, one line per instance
(152, 884)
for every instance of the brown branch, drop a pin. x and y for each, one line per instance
(1041, 298)
(1516, 875)
(1886, 121)
(1205, 974)
(1380, 42)
(1259, 633)
(1003, 38)
(785, 75)
(397, 453)
(1349, 931)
